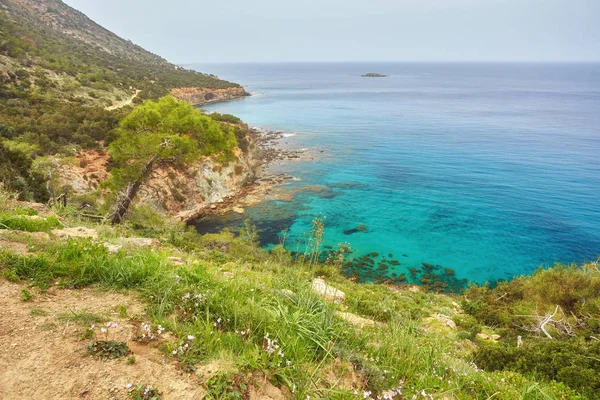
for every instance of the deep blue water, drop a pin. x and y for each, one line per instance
(489, 169)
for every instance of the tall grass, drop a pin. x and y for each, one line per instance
(265, 319)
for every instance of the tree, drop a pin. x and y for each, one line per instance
(155, 134)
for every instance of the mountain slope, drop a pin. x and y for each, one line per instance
(60, 39)
(62, 18)
(66, 82)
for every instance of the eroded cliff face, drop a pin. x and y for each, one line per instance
(199, 96)
(85, 173)
(184, 194)
(181, 193)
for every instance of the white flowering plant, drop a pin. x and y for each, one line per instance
(187, 353)
(190, 304)
(145, 392)
(147, 334)
(103, 347)
(273, 354)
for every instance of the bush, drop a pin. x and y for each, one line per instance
(28, 223)
(573, 363)
(227, 386)
(225, 118)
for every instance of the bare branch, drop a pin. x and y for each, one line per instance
(545, 322)
(501, 297)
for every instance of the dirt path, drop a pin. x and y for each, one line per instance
(42, 354)
(123, 103)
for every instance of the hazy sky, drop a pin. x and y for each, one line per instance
(185, 31)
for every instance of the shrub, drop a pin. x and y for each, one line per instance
(28, 223)
(225, 118)
(26, 295)
(571, 362)
(226, 386)
(107, 349)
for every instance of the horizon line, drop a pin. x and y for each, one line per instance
(398, 62)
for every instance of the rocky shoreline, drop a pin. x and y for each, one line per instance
(201, 96)
(269, 150)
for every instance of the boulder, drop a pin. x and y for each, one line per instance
(79, 232)
(445, 320)
(112, 248)
(177, 260)
(327, 292)
(140, 242)
(355, 319)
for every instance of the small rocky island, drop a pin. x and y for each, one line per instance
(373, 75)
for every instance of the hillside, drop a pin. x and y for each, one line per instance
(66, 82)
(69, 46)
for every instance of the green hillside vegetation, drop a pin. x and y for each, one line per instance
(227, 300)
(55, 87)
(555, 314)
(166, 132)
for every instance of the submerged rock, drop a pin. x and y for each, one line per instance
(359, 228)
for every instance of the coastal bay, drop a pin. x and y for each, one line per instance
(434, 162)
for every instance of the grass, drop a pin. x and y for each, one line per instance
(47, 326)
(82, 317)
(266, 320)
(28, 223)
(38, 312)
(26, 295)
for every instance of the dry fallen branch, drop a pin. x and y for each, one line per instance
(546, 321)
(501, 297)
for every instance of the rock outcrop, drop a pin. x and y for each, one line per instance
(76, 232)
(181, 193)
(86, 173)
(355, 320)
(329, 293)
(185, 194)
(199, 96)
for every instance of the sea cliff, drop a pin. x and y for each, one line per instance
(199, 96)
(207, 186)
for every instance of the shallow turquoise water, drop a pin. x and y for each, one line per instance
(489, 169)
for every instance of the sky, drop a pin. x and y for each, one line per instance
(200, 31)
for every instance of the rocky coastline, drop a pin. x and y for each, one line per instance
(267, 150)
(202, 96)
(206, 187)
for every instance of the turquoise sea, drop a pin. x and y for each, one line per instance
(488, 169)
